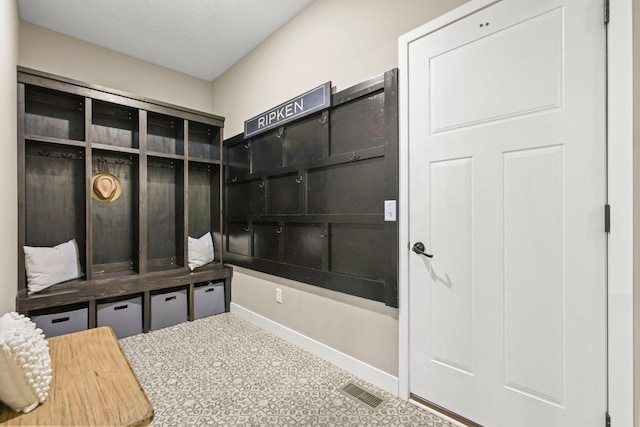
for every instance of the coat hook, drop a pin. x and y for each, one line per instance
(44, 153)
(299, 179)
(279, 230)
(234, 179)
(324, 120)
(66, 156)
(280, 134)
(119, 162)
(261, 184)
(247, 228)
(353, 157)
(247, 145)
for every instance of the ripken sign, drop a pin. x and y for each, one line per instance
(300, 106)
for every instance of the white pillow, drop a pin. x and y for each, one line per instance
(200, 251)
(47, 266)
(25, 363)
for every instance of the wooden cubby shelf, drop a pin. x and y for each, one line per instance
(169, 163)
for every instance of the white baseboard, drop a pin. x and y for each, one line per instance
(373, 375)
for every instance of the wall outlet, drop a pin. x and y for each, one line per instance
(279, 295)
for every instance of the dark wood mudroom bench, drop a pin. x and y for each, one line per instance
(91, 291)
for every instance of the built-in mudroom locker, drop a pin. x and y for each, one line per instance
(120, 210)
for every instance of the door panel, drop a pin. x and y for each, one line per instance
(532, 75)
(451, 299)
(533, 236)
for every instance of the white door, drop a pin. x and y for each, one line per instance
(507, 191)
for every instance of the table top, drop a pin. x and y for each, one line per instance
(92, 384)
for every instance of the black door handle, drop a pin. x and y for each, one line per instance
(419, 249)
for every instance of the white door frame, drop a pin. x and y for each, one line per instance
(620, 195)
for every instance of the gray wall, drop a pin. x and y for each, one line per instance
(346, 42)
(56, 53)
(343, 41)
(636, 208)
(9, 24)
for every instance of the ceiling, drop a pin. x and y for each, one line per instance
(202, 38)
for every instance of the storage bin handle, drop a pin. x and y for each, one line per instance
(60, 320)
(121, 307)
(170, 298)
(209, 290)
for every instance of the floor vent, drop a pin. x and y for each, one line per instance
(362, 395)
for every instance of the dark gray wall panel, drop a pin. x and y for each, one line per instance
(349, 188)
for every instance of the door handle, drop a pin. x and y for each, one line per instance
(419, 249)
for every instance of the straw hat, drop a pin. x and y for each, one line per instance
(105, 187)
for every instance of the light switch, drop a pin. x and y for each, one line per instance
(389, 210)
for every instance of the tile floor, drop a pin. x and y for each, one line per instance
(224, 370)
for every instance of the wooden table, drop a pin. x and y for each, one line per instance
(93, 384)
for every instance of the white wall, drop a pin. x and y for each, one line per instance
(55, 53)
(9, 24)
(345, 42)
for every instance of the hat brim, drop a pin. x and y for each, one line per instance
(113, 195)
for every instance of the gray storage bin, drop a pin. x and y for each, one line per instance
(62, 322)
(168, 309)
(208, 299)
(123, 315)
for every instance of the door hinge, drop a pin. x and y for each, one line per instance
(606, 12)
(607, 218)
(607, 421)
